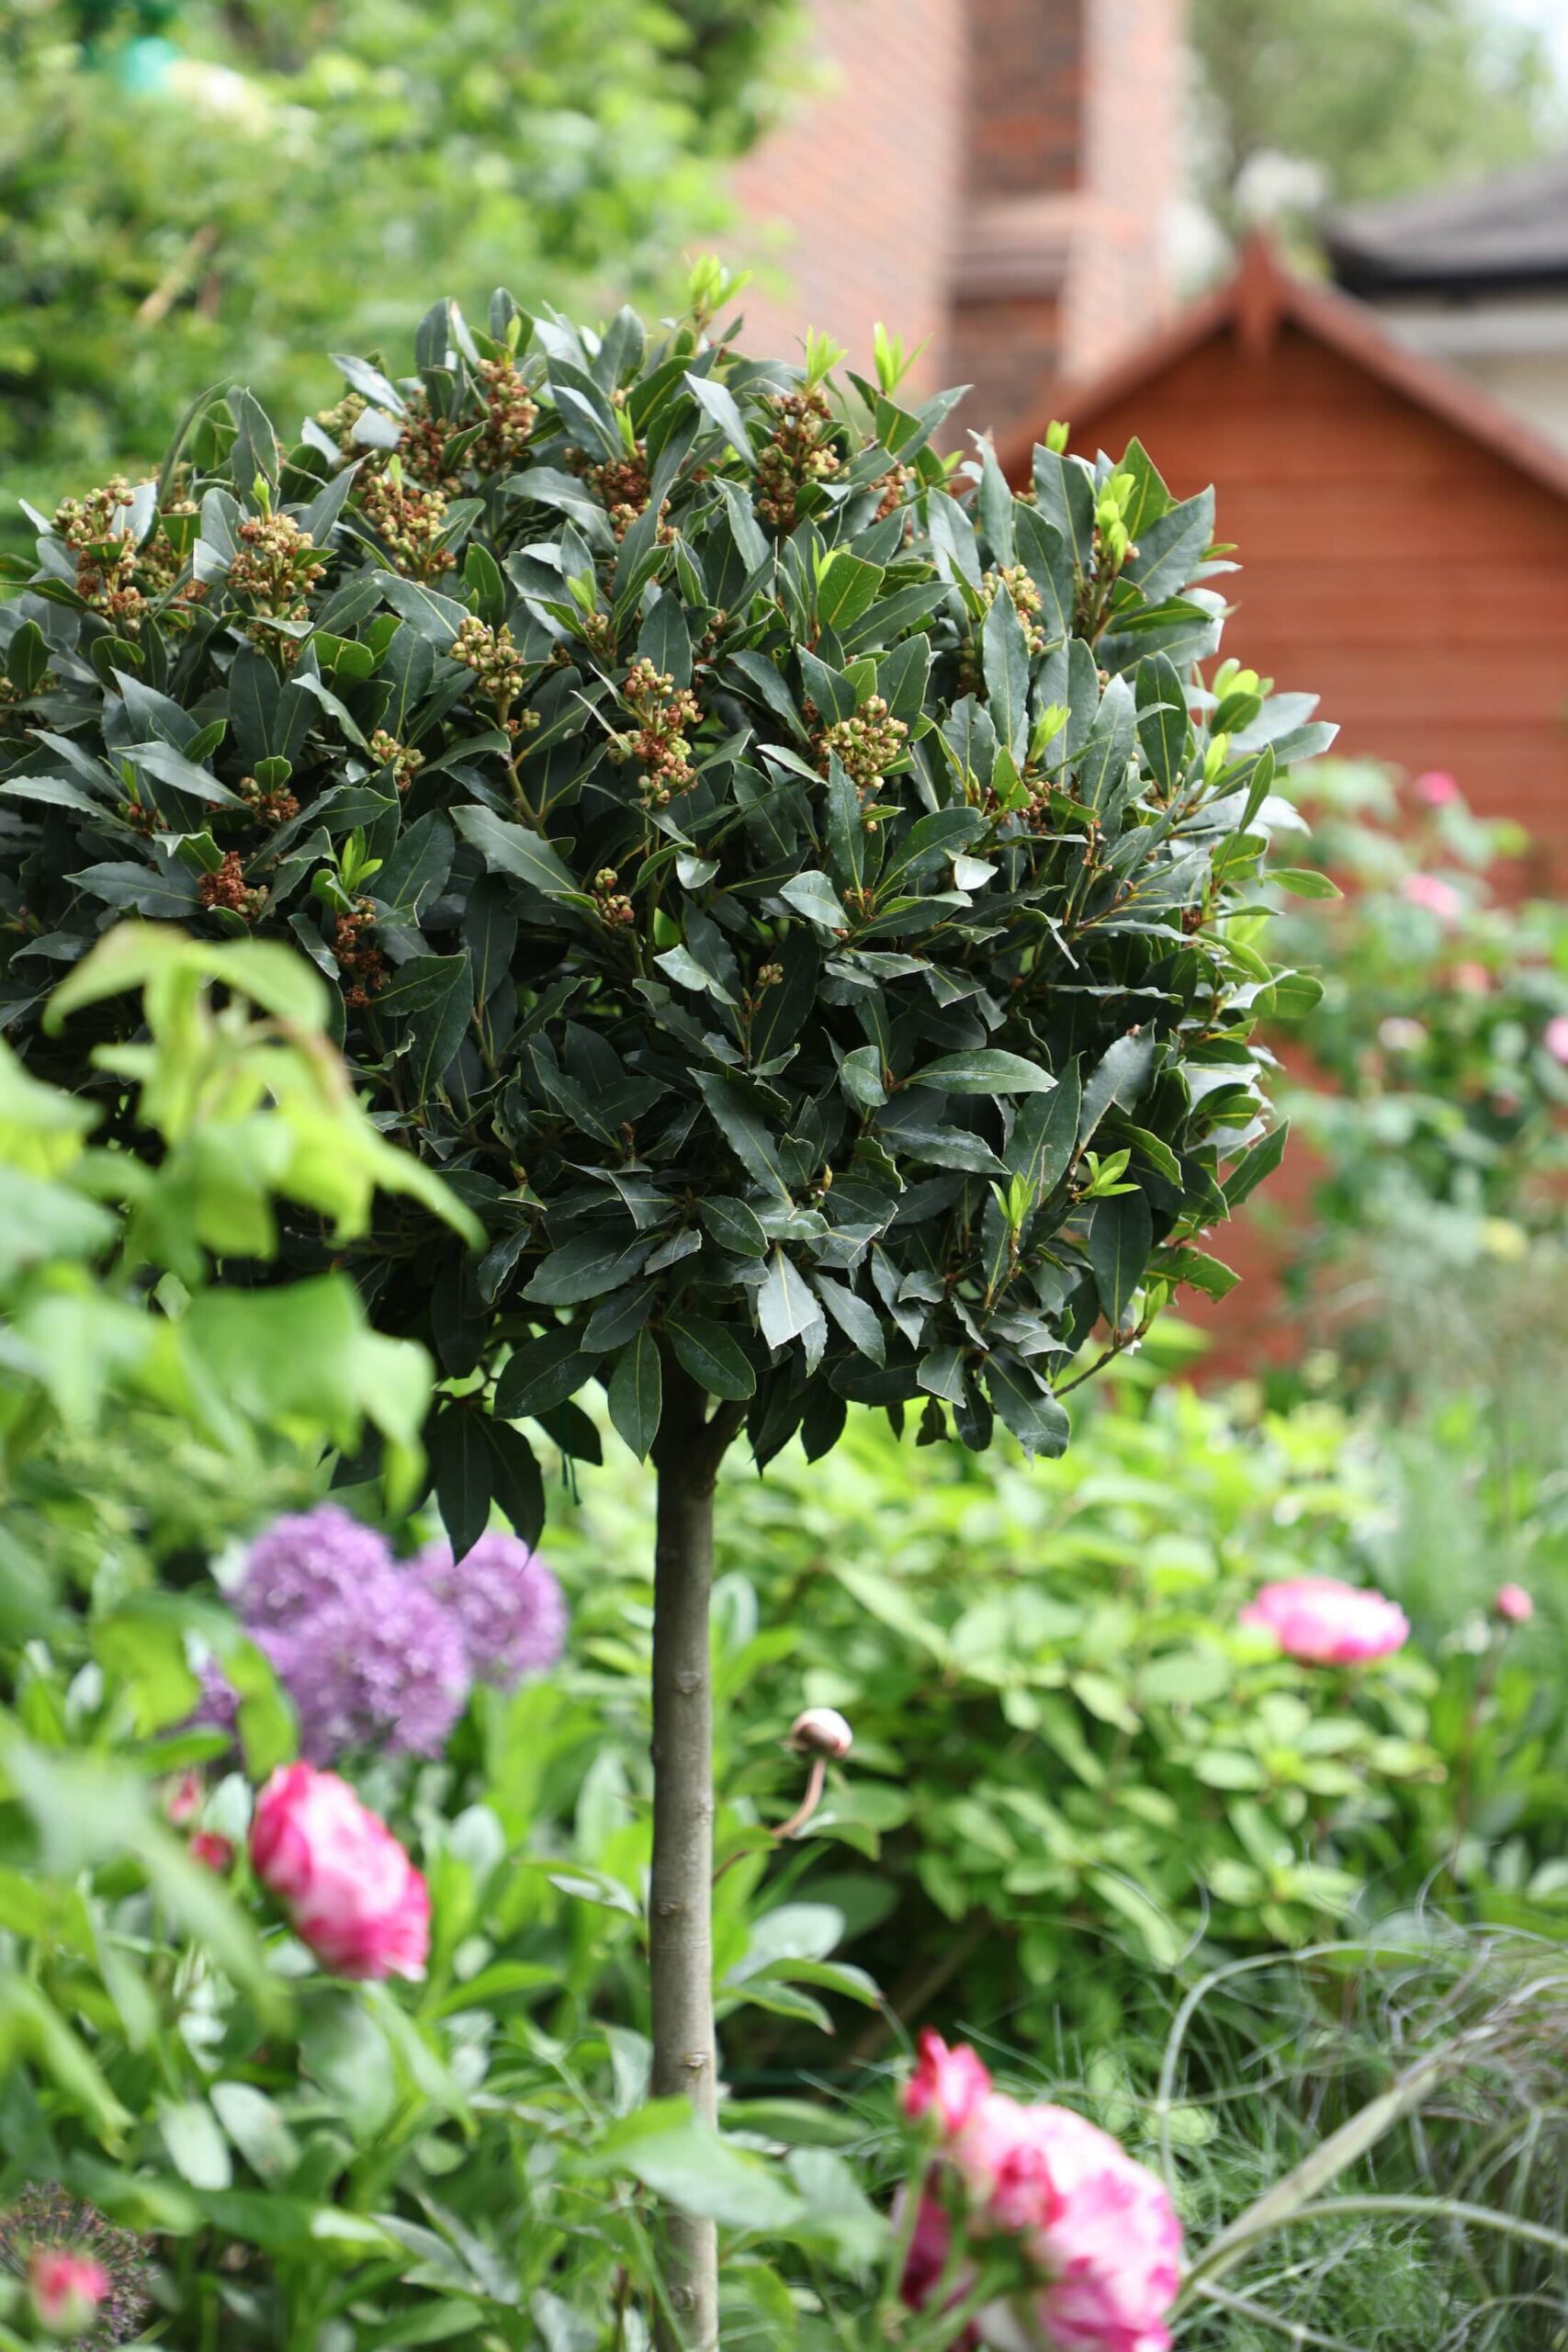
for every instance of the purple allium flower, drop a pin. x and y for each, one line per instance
(219, 1704)
(510, 1607)
(380, 1665)
(304, 1560)
(47, 2219)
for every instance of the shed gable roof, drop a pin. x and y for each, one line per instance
(1262, 297)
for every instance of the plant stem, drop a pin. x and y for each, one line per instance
(680, 1929)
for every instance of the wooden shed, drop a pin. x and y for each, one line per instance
(1404, 539)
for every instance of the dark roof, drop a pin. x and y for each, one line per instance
(1252, 306)
(1509, 231)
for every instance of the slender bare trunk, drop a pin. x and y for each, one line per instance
(679, 1936)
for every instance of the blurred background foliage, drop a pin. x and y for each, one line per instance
(192, 191)
(1375, 96)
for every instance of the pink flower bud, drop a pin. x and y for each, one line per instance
(349, 1889)
(1512, 1603)
(950, 2084)
(1324, 1623)
(1554, 1038)
(66, 2289)
(183, 1796)
(214, 1851)
(1437, 788)
(820, 1731)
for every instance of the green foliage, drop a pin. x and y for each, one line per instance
(1072, 1764)
(246, 1108)
(1381, 95)
(804, 912)
(202, 190)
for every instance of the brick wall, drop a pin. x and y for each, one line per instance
(852, 206)
(1026, 95)
(994, 175)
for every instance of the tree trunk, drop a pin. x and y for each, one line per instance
(680, 1929)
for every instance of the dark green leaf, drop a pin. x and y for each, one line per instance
(711, 1355)
(637, 1393)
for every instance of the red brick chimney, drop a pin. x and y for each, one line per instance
(998, 175)
(1072, 124)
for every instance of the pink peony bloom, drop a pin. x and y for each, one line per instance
(1554, 1038)
(349, 1889)
(1096, 2227)
(1326, 1622)
(67, 2290)
(1430, 891)
(1437, 788)
(926, 2263)
(949, 2083)
(1512, 1603)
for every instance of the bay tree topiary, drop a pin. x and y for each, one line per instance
(797, 891)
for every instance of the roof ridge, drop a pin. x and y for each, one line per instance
(1261, 297)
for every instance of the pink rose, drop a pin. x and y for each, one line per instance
(1554, 1038)
(951, 2083)
(1437, 788)
(1430, 891)
(349, 1889)
(1326, 1622)
(1512, 1603)
(66, 2289)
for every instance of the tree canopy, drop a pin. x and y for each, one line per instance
(1381, 95)
(805, 914)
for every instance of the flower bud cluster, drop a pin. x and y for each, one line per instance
(113, 576)
(868, 744)
(401, 758)
(663, 713)
(272, 804)
(275, 566)
(624, 488)
(511, 413)
(892, 485)
(226, 887)
(407, 518)
(796, 452)
(496, 662)
(614, 907)
(362, 965)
